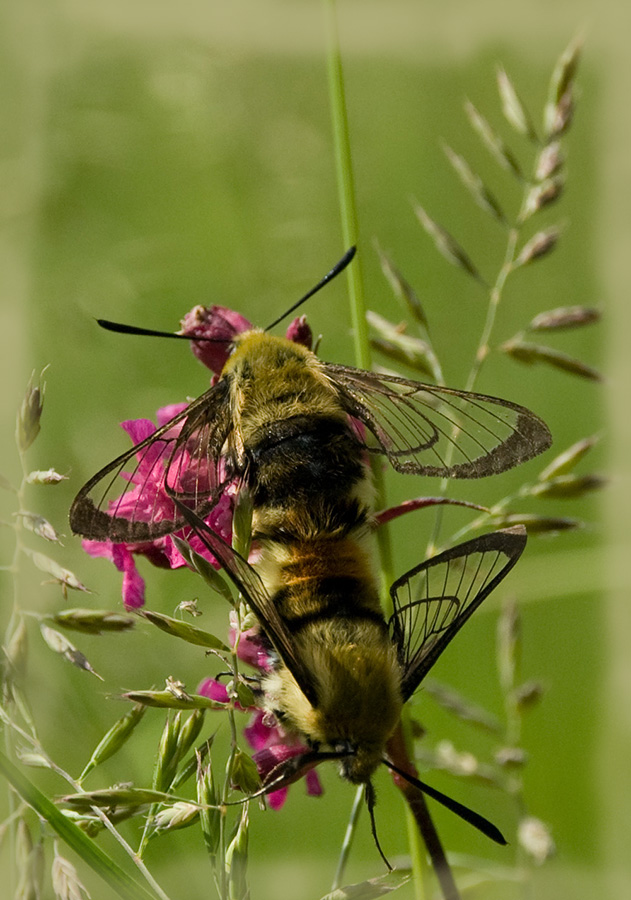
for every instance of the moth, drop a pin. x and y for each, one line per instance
(298, 433)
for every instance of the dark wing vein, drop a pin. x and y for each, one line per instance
(433, 600)
(430, 430)
(132, 500)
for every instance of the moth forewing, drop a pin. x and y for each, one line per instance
(256, 595)
(132, 499)
(434, 599)
(271, 385)
(430, 430)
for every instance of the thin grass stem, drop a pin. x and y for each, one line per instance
(348, 837)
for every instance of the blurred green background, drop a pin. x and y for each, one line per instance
(159, 155)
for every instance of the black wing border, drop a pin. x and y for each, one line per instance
(93, 522)
(250, 584)
(509, 541)
(529, 437)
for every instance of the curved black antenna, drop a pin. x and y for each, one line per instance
(120, 328)
(370, 798)
(337, 268)
(473, 818)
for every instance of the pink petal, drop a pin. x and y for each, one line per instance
(214, 690)
(251, 649)
(300, 332)
(276, 799)
(138, 429)
(218, 323)
(259, 735)
(133, 586)
(166, 413)
(98, 548)
(314, 785)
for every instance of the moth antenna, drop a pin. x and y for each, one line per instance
(337, 268)
(370, 797)
(121, 328)
(468, 815)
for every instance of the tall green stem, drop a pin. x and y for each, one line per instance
(350, 234)
(363, 359)
(346, 188)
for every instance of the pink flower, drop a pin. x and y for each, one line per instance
(148, 501)
(215, 690)
(220, 326)
(300, 332)
(273, 745)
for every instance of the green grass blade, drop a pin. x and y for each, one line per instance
(125, 886)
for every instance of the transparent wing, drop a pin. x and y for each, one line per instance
(429, 430)
(249, 583)
(433, 600)
(135, 498)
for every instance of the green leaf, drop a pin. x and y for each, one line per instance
(122, 796)
(493, 142)
(209, 815)
(537, 524)
(93, 621)
(207, 571)
(237, 859)
(60, 644)
(185, 631)
(46, 476)
(122, 883)
(564, 317)
(461, 706)
(374, 887)
(65, 577)
(567, 487)
(542, 243)
(168, 700)
(394, 343)
(38, 525)
(559, 107)
(30, 413)
(402, 288)
(474, 184)
(446, 245)
(566, 461)
(514, 110)
(115, 738)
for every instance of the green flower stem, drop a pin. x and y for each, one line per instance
(483, 350)
(363, 356)
(417, 856)
(348, 837)
(491, 313)
(350, 233)
(346, 187)
(416, 844)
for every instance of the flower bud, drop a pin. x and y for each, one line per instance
(300, 332)
(219, 325)
(29, 415)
